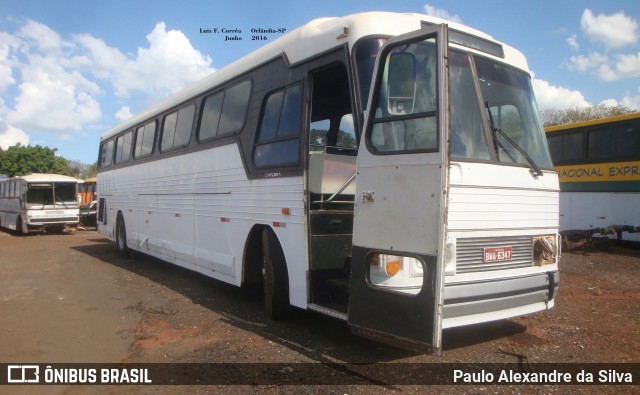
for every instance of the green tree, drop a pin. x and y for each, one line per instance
(82, 170)
(19, 160)
(572, 114)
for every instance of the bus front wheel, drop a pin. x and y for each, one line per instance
(276, 281)
(121, 237)
(19, 228)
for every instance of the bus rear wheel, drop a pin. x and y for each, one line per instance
(121, 237)
(276, 280)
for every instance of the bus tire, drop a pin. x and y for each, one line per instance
(276, 280)
(19, 228)
(121, 237)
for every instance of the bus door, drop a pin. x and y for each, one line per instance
(396, 282)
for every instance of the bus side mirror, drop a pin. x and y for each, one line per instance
(401, 83)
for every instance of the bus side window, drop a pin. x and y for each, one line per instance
(278, 139)
(145, 136)
(210, 116)
(107, 154)
(123, 147)
(224, 112)
(176, 130)
(234, 108)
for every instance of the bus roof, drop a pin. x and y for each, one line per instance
(616, 118)
(309, 40)
(42, 177)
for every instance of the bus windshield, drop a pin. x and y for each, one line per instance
(47, 193)
(509, 130)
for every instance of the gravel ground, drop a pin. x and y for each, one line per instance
(71, 298)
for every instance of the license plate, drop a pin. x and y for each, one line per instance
(496, 254)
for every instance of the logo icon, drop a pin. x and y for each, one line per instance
(23, 374)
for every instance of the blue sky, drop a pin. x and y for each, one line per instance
(71, 69)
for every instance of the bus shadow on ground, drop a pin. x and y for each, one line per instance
(315, 336)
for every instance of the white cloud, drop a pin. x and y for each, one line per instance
(610, 102)
(169, 63)
(102, 60)
(441, 13)
(58, 82)
(613, 31)
(627, 66)
(10, 136)
(551, 96)
(8, 44)
(53, 98)
(123, 113)
(585, 63)
(41, 37)
(631, 100)
(607, 67)
(52, 94)
(572, 41)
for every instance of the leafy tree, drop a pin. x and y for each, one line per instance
(556, 116)
(82, 170)
(19, 160)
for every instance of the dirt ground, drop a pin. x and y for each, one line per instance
(71, 298)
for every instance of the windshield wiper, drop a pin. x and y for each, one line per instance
(535, 170)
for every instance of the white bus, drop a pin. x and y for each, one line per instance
(389, 170)
(38, 201)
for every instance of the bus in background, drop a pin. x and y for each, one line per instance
(87, 201)
(598, 164)
(38, 201)
(87, 191)
(388, 170)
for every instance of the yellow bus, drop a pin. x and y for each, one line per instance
(598, 165)
(87, 200)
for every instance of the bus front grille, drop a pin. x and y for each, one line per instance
(470, 253)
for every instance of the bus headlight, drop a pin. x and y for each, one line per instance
(396, 273)
(394, 269)
(389, 265)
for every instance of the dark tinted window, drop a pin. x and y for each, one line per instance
(176, 129)
(224, 112)
(234, 108)
(366, 53)
(169, 130)
(123, 147)
(145, 136)
(572, 146)
(615, 142)
(210, 116)
(271, 117)
(278, 140)
(567, 147)
(555, 147)
(106, 154)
